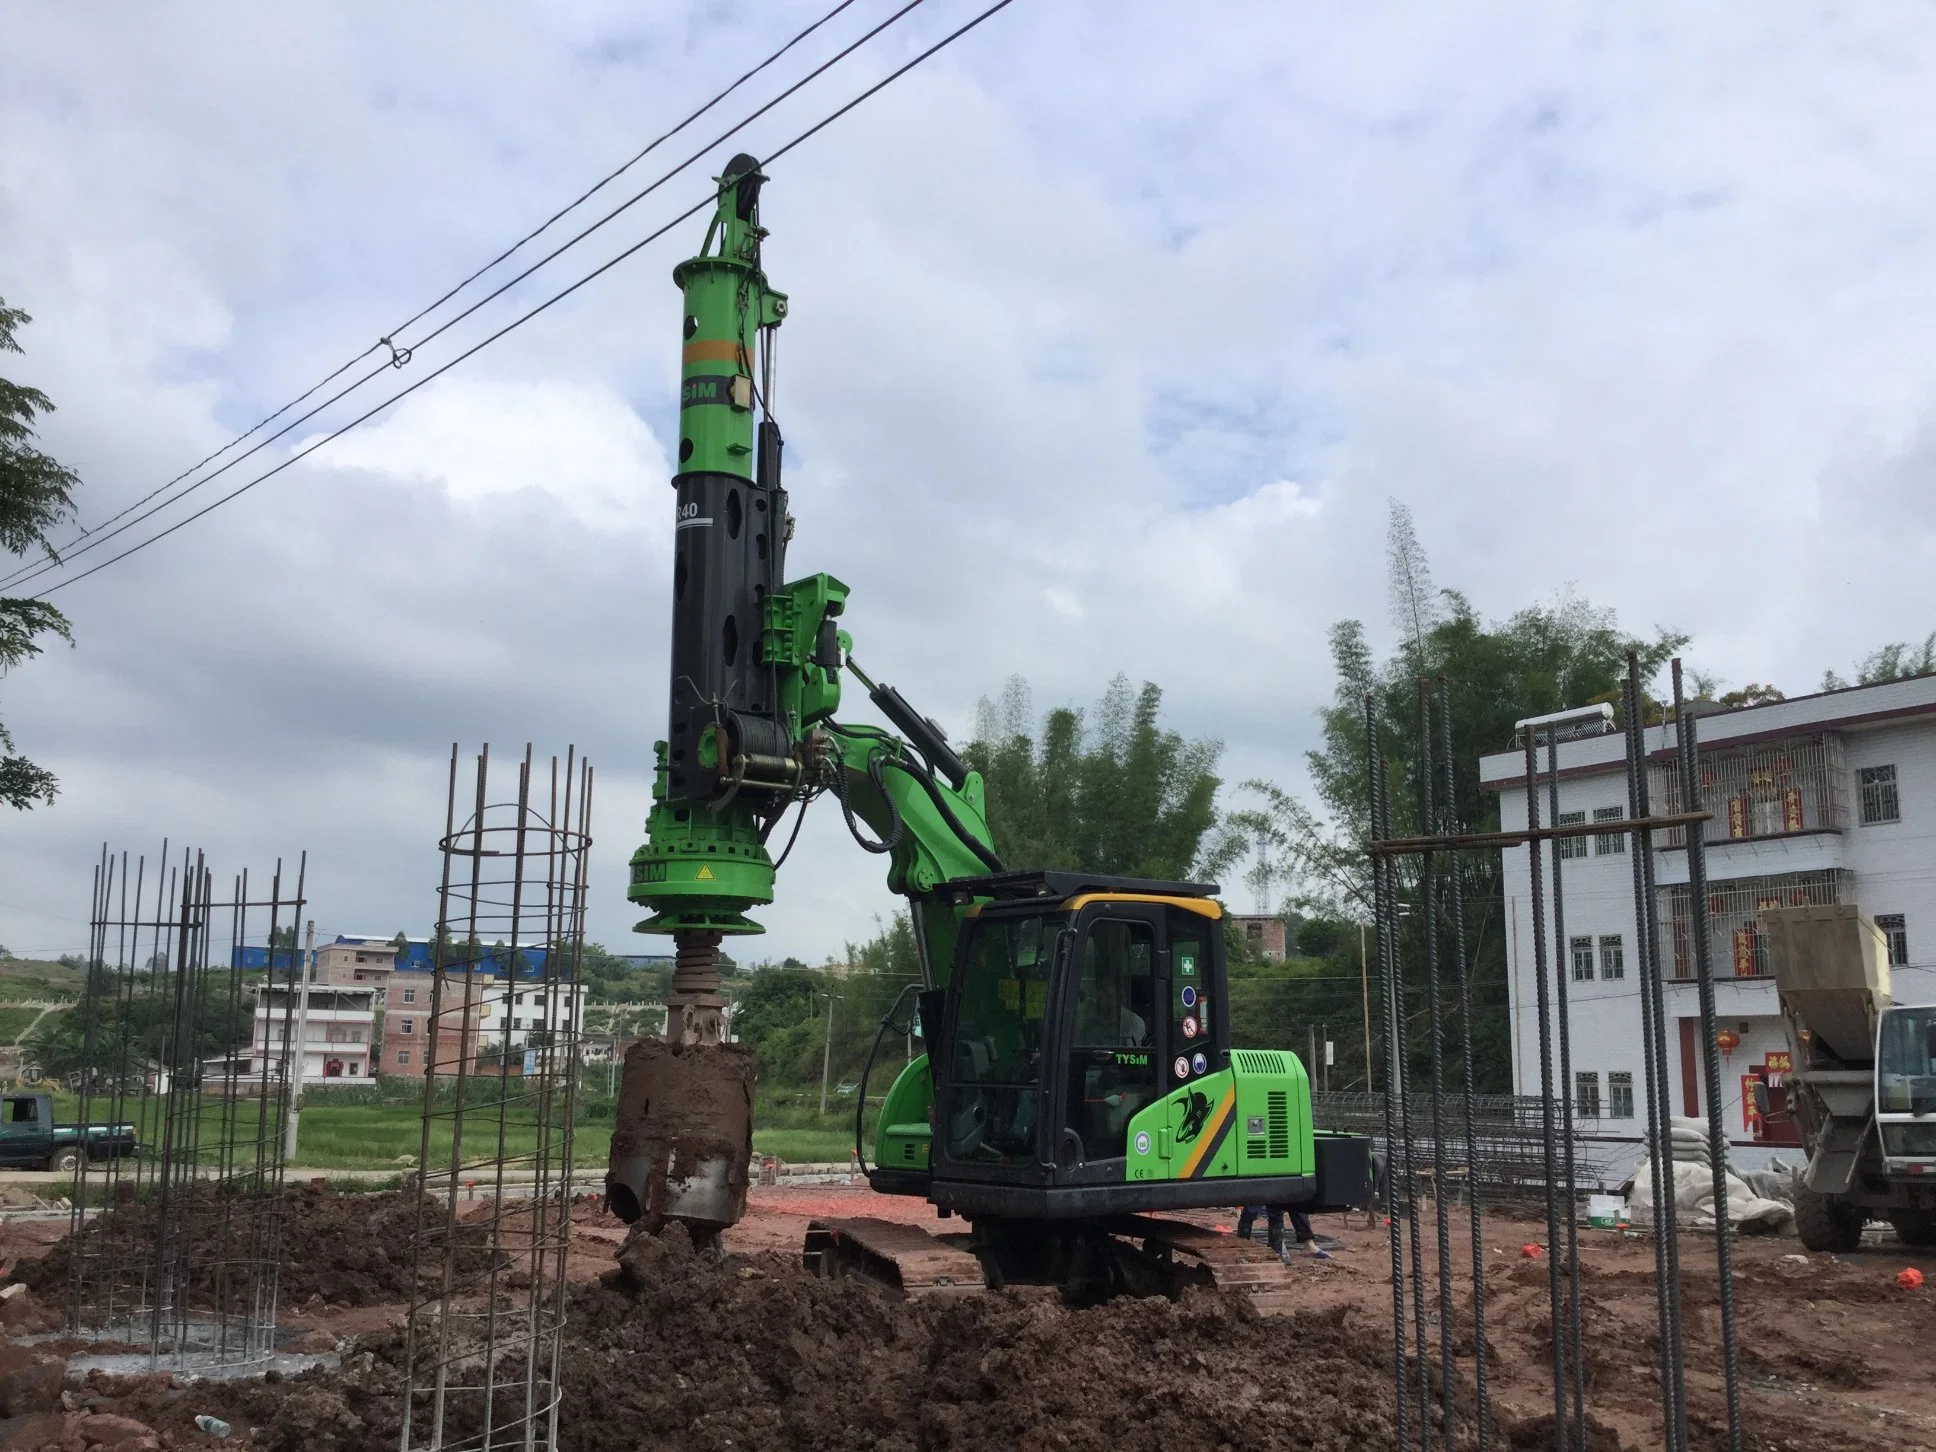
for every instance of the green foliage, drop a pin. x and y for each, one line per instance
(1546, 657)
(1894, 662)
(783, 1012)
(107, 1035)
(775, 1000)
(36, 497)
(1107, 791)
(608, 978)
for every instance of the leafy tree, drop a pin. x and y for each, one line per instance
(608, 978)
(1895, 662)
(1107, 791)
(36, 497)
(1751, 695)
(107, 1034)
(776, 999)
(1546, 657)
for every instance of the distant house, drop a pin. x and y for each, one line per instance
(1263, 934)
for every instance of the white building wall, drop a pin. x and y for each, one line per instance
(1893, 871)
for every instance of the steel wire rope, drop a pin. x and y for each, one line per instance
(449, 293)
(526, 317)
(29, 573)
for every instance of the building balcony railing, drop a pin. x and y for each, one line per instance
(1735, 941)
(1772, 789)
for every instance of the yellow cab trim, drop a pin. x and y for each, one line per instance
(1203, 907)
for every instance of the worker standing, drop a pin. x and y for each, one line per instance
(1274, 1230)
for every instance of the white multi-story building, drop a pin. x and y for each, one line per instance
(514, 1011)
(1828, 798)
(337, 1031)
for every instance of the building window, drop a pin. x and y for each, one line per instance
(1582, 960)
(1610, 844)
(406, 1025)
(1571, 846)
(1613, 957)
(403, 1058)
(1893, 927)
(1620, 1096)
(409, 995)
(1586, 1095)
(1879, 800)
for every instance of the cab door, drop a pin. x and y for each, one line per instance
(1113, 1025)
(1197, 1017)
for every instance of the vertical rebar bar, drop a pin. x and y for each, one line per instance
(1562, 972)
(1385, 915)
(1428, 888)
(1686, 740)
(514, 874)
(1548, 1149)
(1409, 1148)
(1660, 1166)
(1482, 1409)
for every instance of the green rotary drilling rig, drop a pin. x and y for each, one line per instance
(1079, 1068)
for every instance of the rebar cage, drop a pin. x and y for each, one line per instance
(176, 1229)
(1428, 1131)
(500, 1074)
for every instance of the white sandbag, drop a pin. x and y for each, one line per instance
(1748, 1212)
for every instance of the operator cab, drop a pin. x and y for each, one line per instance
(1905, 1096)
(1075, 1002)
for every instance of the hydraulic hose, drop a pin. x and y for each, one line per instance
(969, 840)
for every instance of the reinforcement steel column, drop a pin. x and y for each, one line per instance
(1549, 1157)
(1482, 1409)
(1686, 742)
(1562, 972)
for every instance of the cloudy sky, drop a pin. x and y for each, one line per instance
(1114, 329)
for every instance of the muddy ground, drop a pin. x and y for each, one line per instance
(674, 1350)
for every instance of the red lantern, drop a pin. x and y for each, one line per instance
(1727, 1041)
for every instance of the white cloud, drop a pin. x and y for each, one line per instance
(577, 443)
(1636, 299)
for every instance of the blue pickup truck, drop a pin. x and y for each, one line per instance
(30, 1140)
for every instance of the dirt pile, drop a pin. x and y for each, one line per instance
(758, 1354)
(677, 1350)
(344, 1250)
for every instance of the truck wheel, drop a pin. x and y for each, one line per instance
(67, 1162)
(1914, 1227)
(1827, 1222)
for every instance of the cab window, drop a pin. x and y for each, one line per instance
(1112, 1063)
(996, 1073)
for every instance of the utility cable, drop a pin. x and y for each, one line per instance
(556, 297)
(400, 356)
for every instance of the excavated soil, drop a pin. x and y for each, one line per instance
(343, 1250)
(678, 1349)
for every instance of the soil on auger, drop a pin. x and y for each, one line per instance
(682, 1111)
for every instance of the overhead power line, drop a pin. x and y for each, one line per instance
(398, 356)
(557, 297)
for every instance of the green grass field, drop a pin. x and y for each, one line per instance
(368, 1136)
